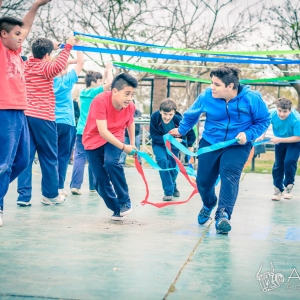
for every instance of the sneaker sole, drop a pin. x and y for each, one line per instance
(287, 198)
(125, 213)
(117, 219)
(223, 227)
(168, 199)
(51, 203)
(24, 204)
(75, 193)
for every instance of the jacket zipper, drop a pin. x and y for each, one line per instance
(228, 121)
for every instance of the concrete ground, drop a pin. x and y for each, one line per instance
(74, 250)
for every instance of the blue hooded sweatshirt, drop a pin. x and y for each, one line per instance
(247, 112)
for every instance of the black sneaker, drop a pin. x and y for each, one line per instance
(167, 198)
(116, 216)
(176, 193)
(125, 209)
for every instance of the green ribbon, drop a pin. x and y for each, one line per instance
(263, 52)
(190, 78)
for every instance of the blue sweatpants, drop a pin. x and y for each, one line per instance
(285, 166)
(229, 163)
(80, 159)
(43, 139)
(66, 138)
(110, 178)
(165, 161)
(14, 148)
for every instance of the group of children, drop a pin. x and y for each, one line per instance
(36, 112)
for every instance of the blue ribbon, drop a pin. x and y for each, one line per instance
(180, 57)
(166, 47)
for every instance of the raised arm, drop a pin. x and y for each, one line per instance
(0, 4)
(108, 76)
(29, 18)
(80, 60)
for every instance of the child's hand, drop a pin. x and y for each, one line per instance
(42, 2)
(129, 148)
(179, 140)
(275, 140)
(174, 132)
(72, 40)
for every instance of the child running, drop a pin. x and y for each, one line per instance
(285, 121)
(233, 111)
(110, 113)
(14, 134)
(162, 121)
(94, 86)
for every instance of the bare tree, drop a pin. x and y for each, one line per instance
(285, 23)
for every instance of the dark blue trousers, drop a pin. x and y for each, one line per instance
(43, 139)
(80, 159)
(285, 166)
(229, 163)
(14, 148)
(165, 161)
(66, 138)
(110, 178)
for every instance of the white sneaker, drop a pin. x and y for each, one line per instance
(76, 191)
(277, 194)
(1, 215)
(63, 192)
(57, 200)
(287, 193)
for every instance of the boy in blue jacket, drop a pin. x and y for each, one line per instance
(232, 111)
(162, 121)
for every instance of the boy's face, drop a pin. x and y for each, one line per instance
(167, 116)
(13, 39)
(219, 90)
(283, 113)
(124, 96)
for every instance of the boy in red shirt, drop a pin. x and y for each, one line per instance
(110, 113)
(39, 75)
(14, 135)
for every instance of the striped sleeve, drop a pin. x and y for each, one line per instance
(53, 69)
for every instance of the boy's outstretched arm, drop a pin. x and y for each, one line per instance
(29, 18)
(0, 4)
(80, 60)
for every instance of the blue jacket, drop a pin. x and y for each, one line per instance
(246, 112)
(157, 131)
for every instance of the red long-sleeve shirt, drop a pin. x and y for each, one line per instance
(39, 76)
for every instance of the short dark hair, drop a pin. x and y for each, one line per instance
(167, 105)
(123, 80)
(98, 75)
(41, 47)
(284, 103)
(91, 76)
(228, 74)
(8, 23)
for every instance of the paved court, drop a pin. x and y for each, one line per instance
(74, 251)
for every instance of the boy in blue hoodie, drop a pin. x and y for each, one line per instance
(232, 111)
(162, 121)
